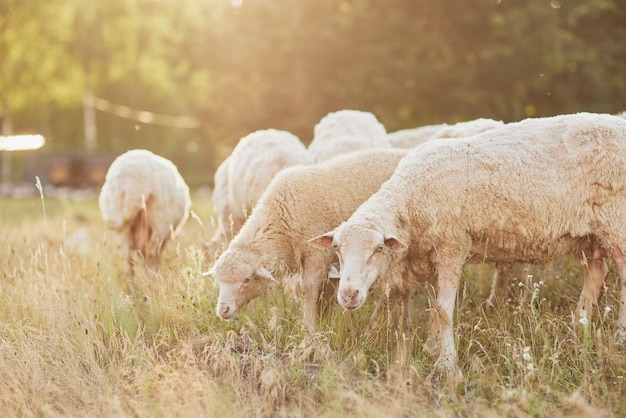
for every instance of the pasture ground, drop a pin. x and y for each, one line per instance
(79, 338)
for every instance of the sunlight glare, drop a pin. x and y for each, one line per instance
(21, 142)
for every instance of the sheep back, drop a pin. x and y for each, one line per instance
(306, 200)
(140, 178)
(469, 128)
(347, 131)
(255, 161)
(409, 138)
(528, 191)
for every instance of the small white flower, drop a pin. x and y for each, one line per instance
(541, 283)
(520, 284)
(536, 285)
(607, 309)
(529, 276)
(526, 355)
(583, 320)
(530, 367)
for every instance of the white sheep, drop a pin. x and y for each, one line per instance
(346, 131)
(410, 138)
(146, 201)
(530, 191)
(221, 205)
(299, 203)
(243, 177)
(468, 128)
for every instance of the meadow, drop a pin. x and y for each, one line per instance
(80, 338)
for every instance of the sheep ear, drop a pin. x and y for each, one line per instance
(264, 274)
(333, 272)
(323, 241)
(209, 272)
(393, 243)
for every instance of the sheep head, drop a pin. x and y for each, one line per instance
(364, 254)
(240, 279)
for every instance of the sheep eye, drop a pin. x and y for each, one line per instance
(336, 247)
(246, 281)
(379, 249)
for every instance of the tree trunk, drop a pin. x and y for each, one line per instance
(7, 129)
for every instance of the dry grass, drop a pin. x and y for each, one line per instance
(78, 338)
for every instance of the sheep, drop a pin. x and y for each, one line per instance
(468, 128)
(299, 203)
(529, 191)
(347, 131)
(243, 177)
(146, 201)
(221, 205)
(410, 138)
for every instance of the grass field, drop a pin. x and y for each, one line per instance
(79, 338)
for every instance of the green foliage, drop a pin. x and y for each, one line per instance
(285, 64)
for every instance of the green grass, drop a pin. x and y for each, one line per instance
(79, 338)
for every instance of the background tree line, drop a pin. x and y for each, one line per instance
(238, 66)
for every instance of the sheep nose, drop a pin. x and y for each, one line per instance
(349, 298)
(224, 311)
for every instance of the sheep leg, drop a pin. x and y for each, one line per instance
(155, 247)
(619, 259)
(499, 283)
(139, 235)
(447, 286)
(595, 274)
(146, 238)
(312, 289)
(127, 244)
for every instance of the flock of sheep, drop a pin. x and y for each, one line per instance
(392, 209)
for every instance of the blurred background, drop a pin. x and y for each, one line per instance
(188, 78)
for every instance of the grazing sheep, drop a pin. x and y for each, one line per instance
(469, 128)
(346, 131)
(243, 177)
(224, 232)
(410, 138)
(530, 191)
(145, 200)
(300, 202)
